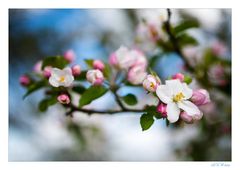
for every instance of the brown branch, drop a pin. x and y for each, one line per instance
(174, 41)
(90, 111)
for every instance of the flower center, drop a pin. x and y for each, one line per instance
(178, 97)
(152, 85)
(61, 79)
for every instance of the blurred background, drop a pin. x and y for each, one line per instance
(95, 33)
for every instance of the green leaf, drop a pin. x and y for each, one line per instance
(89, 62)
(187, 79)
(152, 110)
(34, 87)
(185, 25)
(185, 39)
(167, 122)
(81, 77)
(56, 61)
(45, 103)
(146, 121)
(91, 94)
(107, 71)
(79, 89)
(130, 99)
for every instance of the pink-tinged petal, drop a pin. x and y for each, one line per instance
(186, 118)
(163, 93)
(67, 71)
(68, 81)
(190, 108)
(173, 112)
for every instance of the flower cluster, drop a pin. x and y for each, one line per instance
(176, 99)
(133, 61)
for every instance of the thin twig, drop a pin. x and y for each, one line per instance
(90, 111)
(174, 41)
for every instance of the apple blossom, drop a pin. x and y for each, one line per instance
(136, 75)
(200, 97)
(61, 77)
(64, 99)
(124, 59)
(95, 77)
(69, 55)
(176, 95)
(162, 108)
(24, 80)
(98, 64)
(140, 58)
(179, 76)
(150, 83)
(47, 71)
(76, 70)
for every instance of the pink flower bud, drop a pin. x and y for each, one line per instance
(95, 77)
(113, 60)
(162, 108)
(219, 48)
(24, 80)
(64, 99)
(178, 76)
(76, 70)
(186, 118)
(200, 97)
(150, 83)
(69, 56)
(38, 67)
(98, 64)
(47, 71)
(136, 74)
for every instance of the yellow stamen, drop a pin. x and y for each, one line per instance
(152, 85)
(61, 79)
(178, 97)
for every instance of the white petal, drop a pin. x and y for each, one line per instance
(56, 71)
(67, 71)
(68, 80)
(187, 92)
(53, 81)
(173, 112)
(189, 107)
(175, 86)
(163, 93)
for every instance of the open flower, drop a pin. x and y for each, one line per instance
(61, 77)
(124, 58)
(95, 77)
(176, 95)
